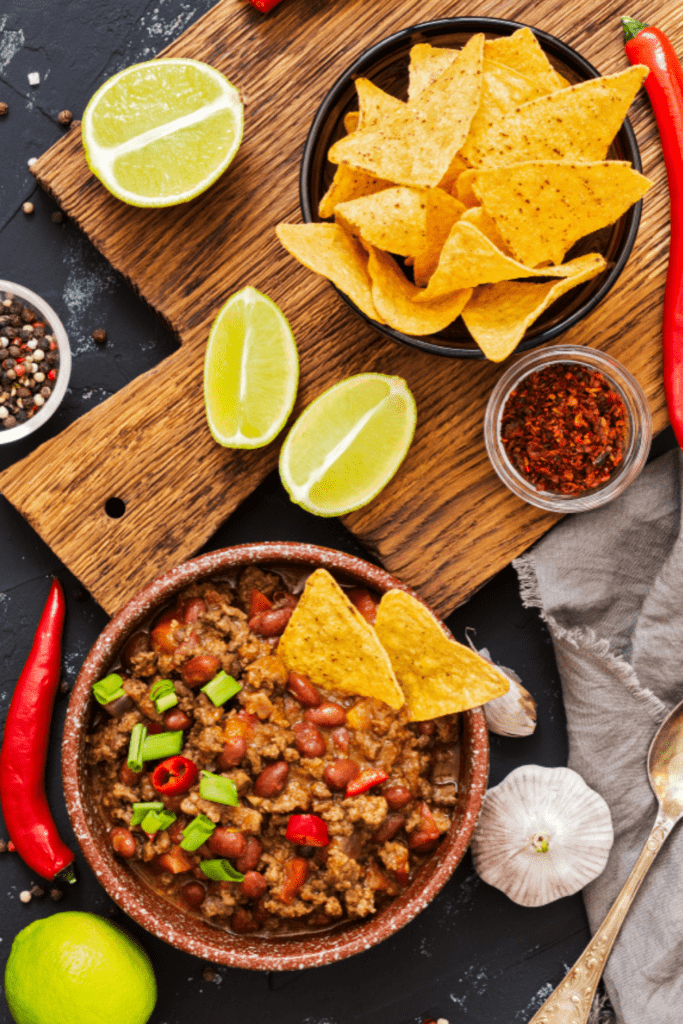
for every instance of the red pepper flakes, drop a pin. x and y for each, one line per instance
(564, 429)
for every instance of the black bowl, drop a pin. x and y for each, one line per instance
(386, 64)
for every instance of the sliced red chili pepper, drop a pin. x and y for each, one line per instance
(664, 85)
(258, 602)
(364, 602)
(24, 750)
(366, 780)
(175, 775)
(296, 873)
(307, 830)
(428, 831)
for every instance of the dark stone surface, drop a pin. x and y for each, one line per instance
(472, 954)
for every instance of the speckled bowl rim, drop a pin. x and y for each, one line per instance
(172, 924)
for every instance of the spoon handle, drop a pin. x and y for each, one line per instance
(571, 1001)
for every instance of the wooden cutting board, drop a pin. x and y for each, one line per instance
(444, 524)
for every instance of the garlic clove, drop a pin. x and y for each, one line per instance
(542, 834)
(513, 713)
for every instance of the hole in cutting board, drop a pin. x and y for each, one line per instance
(115, 507)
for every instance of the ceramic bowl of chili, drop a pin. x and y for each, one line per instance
(567, 428)
(49, 320)
(169, 921)
(386, 65)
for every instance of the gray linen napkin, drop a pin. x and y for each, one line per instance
(610, 587)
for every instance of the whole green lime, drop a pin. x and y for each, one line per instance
(76, 968)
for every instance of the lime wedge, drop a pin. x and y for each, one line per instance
(346, 446)
(251, 371)
(160, 133)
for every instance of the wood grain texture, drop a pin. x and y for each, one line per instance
(444, 524)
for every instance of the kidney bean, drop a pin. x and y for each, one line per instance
(397, 796)
(308, 740)
(390, 827)
(303, 689)
(364, 602)
(138, 644)
(193, 893)
(193, 609)
(251, 856)
(122, 842)
(242, 922)
(339, 773)
(200, 669)
(154, 728)
(426, 728)
(340, 738)
(127, 776)
(175, 828)
(162, 635)
(176, 719)
(254, 885)
(329, 715)
(118, 707)
(270, 623)
(232, 753)
(272, 780)
(223, 842)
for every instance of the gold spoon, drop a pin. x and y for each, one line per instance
(571, 1001)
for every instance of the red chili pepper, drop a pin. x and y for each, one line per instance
(664, 86)
(51, 375)
(296, 873)
(258, 602)
(366, 780)
(24, 750)
(364, 602)
(175, 775)
(264, 5)
(307, 830)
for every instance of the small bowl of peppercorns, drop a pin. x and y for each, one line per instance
(35, 361)
(567, 428)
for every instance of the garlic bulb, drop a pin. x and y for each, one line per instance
(542, 834)
(514, 713)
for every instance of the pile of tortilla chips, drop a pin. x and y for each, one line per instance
(405, 659)
(481, 181)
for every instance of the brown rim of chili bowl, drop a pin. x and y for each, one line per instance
(639, 427)
(169, 922)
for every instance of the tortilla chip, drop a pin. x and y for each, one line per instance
(351, 121)
(522, 52)
(482, 221)
(464, 190)
(456, 167)
(439, 676)
(502, 91)
(497, 315)
(330, 250)
(328, 640)
(469, 259)
(578, 123)
(441, 214)
(348, 184)
(393, 296)
(375, 106)
(417, 146)
(542, 207)
(427, 62)
(393, 220)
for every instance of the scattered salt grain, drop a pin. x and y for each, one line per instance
(34, 78)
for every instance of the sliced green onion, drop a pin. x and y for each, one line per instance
(221, 688)
(161, 688)
(220, 871)
(136, 760)
(197, 832)
(156, 821)
(162, 744)
(108, 689)
(141, 810)
(169, 700)
(216, 788)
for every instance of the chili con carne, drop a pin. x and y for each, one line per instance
(24, 750)
(564, 428)
(664, 85)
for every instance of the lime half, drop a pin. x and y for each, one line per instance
(251, 371)
(346, 446)
(159, 133)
